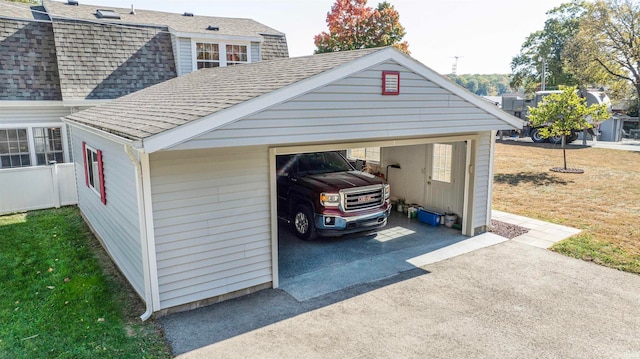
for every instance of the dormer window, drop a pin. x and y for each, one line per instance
(219, 54)
(208, 55)
(236, 54)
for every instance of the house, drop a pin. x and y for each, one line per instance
(62, 57)
(180, 183)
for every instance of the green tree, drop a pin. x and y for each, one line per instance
(353, 25)
(561, 113)
(606, 50)
(483, 85)
(472, 85)
(548, 44)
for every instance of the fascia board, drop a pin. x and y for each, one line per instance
(30, 104)
(106, 135)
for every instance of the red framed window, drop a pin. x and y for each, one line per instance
(94, 171)
(390, 82)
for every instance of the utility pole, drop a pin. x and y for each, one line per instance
(454, 68)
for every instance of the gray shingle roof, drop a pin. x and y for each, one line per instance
(274, 47)
(188, 98)
(14, 10)
(178, 22)
(28, 67)
(102, 61)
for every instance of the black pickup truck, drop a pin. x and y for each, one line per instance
(321, 194)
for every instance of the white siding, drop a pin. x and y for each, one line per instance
(356, 105)
(482, 180)
(183, 55)
(211, 212)
(255, 52)
(32, 114)
(117, 222)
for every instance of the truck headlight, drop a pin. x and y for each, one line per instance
(330, 199)
(387, 191)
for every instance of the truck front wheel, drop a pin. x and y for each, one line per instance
(303, 223)
(535, 136)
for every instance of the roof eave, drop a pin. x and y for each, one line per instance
(135, 143)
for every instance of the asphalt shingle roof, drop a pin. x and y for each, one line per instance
(28, 67)
(188, 98)
(178, 22)
(106, 61)
(15, 10)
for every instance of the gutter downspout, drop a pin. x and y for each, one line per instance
(148, 298)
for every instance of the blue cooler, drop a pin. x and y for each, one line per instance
(428, 217)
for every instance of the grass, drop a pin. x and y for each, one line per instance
(604, 202)
(61, 297)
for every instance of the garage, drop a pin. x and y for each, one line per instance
(428, 173)
(198, 169)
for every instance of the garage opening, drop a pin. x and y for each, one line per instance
(430, 175)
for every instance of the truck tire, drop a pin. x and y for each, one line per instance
(535, 136)
(556, 140)
(572, 137)
(303, 223)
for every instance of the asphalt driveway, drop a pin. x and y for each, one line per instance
(507, 300)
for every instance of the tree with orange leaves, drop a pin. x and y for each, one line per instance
(353, 25)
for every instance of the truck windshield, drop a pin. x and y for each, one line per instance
(322, 162)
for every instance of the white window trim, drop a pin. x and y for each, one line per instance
(32, 144)
(87, 164)
(222, 46)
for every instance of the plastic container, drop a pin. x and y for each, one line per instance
(432, 218)
(450, 219)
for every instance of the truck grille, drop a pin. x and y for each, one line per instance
(363, 198)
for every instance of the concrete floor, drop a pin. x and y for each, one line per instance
(309, 269)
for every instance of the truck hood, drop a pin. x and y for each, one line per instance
(341, 180)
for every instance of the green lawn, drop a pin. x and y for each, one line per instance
(62, 298)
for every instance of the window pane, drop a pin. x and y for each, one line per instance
(14, 146)
(41, 159)
(441, 162)
(12, 135)
(22, 134)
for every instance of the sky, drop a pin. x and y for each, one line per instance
(483, 34)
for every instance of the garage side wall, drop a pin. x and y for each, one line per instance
(482, 182)
(116, 223)
(354, 108)
(211, 212)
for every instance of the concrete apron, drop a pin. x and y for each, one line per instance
(312, 269)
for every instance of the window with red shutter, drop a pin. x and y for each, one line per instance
(94, 171)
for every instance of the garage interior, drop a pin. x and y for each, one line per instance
(429, 173)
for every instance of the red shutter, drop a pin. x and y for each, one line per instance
(103, 192)
(86, 165)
